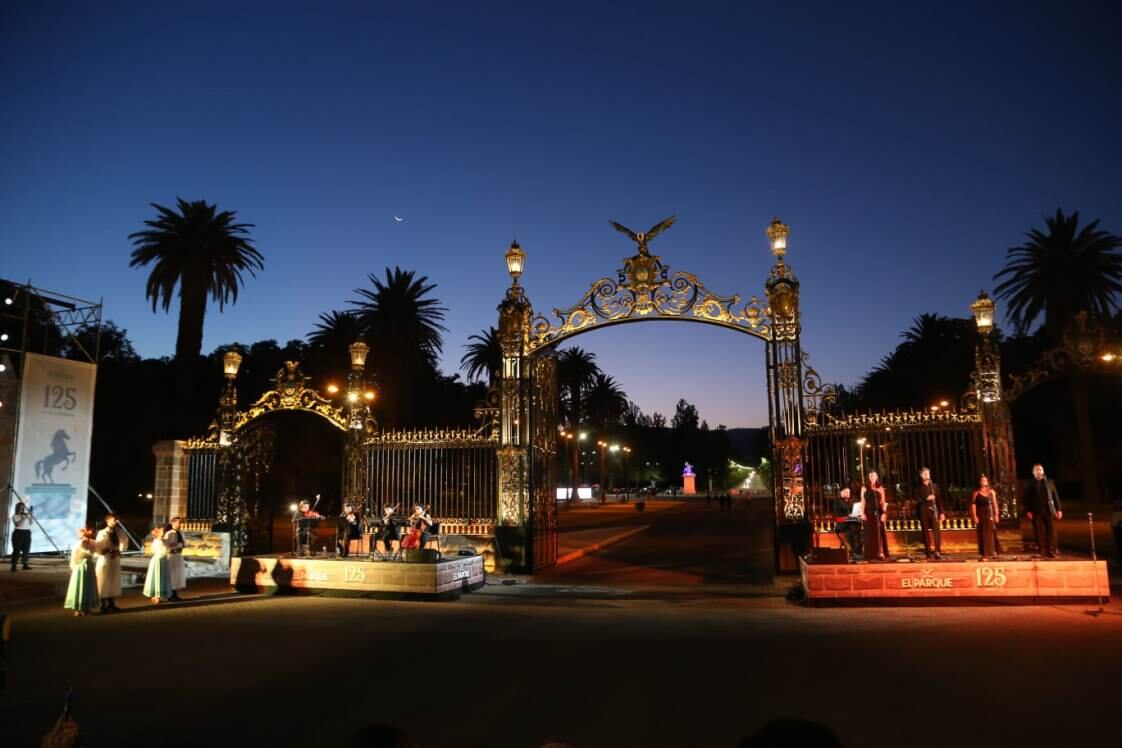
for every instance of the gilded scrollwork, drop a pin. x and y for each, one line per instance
(1084, 347)
(646, 289)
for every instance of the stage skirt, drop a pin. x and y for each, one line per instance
(81, 593)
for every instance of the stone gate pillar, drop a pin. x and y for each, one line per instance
(785, 405)
(511, 524)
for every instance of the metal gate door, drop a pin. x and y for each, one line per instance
(543, 470)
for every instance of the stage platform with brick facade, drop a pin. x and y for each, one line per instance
(444, 579)
(1012, 581)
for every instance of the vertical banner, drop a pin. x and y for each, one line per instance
(53, 447)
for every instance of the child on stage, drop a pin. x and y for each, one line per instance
(81, 594)
(157, 584)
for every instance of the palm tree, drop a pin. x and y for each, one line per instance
(204, 253)
(1059, 272)
(201, 251)
(576, 372)
(403, 327)
(605, 402)
(483, 357)
(329, 341)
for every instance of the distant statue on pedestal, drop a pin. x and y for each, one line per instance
(687, 470)
(689, 487)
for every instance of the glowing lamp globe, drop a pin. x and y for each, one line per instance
(515, 260)
(984, 310)
(359, 351)
(777, 233)
(231, 362)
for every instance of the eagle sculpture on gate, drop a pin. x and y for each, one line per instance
(643, 237)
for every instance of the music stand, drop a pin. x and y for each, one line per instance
(302, 527)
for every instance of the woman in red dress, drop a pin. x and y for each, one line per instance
(874, 504)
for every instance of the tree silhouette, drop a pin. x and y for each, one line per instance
(484, 357)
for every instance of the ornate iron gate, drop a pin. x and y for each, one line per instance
(544, 396)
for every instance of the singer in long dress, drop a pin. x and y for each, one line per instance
(175, 542)
(157, 583)
(873, 507)
(81, 593)
(986, 514)
(110, 544)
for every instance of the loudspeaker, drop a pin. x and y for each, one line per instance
(829, 556)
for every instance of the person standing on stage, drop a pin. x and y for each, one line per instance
(177, 567)
(1042, 507)
(81, 593)
(874, 505)
(984, 508)
(929, 498)
(21, 535)
(157, 582)
(110, 544)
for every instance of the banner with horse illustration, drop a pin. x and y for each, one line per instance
(53, 448)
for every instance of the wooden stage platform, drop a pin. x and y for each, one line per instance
(1032, 582)
(447, 578)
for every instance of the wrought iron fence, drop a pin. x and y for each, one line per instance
(843, 449)
(452, 472)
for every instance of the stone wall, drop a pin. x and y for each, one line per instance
(169, 498)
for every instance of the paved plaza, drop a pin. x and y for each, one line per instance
(675, 636)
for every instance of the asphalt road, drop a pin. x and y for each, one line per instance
(610, 652)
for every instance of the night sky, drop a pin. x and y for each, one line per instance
(906, 147)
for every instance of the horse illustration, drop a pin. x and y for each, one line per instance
(60, 452)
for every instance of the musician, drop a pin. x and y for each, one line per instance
(983, 507)
(874, 506)
(1042, 507)
(419, 524)
(21, 535)
(304, 519)
(929, 499)
(389, 531)
(350, 528)
(846, 526)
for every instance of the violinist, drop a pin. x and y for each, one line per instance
(419, 524)
(388, 532)
(350, 528)
(306, 518)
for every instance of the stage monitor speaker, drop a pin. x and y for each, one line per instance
(829, 556)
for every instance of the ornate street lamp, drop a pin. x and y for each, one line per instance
(777, 233)
(228, 402)
(984, 310)
(359, 351)
(515, 261)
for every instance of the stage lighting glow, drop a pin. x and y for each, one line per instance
(292, 507)
(3, 368)
(8, 301)
(352, 397)
(368, 395)
(332, 388)
(3, 337)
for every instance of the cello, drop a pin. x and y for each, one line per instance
(419, 522)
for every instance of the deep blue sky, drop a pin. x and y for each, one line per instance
(907, 147)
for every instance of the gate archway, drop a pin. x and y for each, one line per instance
(644, 289)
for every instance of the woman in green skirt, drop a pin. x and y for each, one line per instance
(157, 584)
(81, 593)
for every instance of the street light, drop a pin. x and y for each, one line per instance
(515, 261)
(231, 362)
(359, 351)
(777, 233)
(984, 310)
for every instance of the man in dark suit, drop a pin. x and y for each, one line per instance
(1042, 507)
(929, 504)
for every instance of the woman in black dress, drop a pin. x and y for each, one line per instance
(984, 509)
(874, 504)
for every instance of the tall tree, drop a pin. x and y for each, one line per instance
(686, 417)
(576, 371)
(329, 341)
(403, 324)
(1058, 273)
(201, 252)
(605, 402)
(484, 357)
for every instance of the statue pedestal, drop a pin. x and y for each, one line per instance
(688, 487)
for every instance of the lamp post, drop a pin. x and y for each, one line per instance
(626, 471)
(861, 457)
(603, 454)
(997, 422)
(228, 402)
